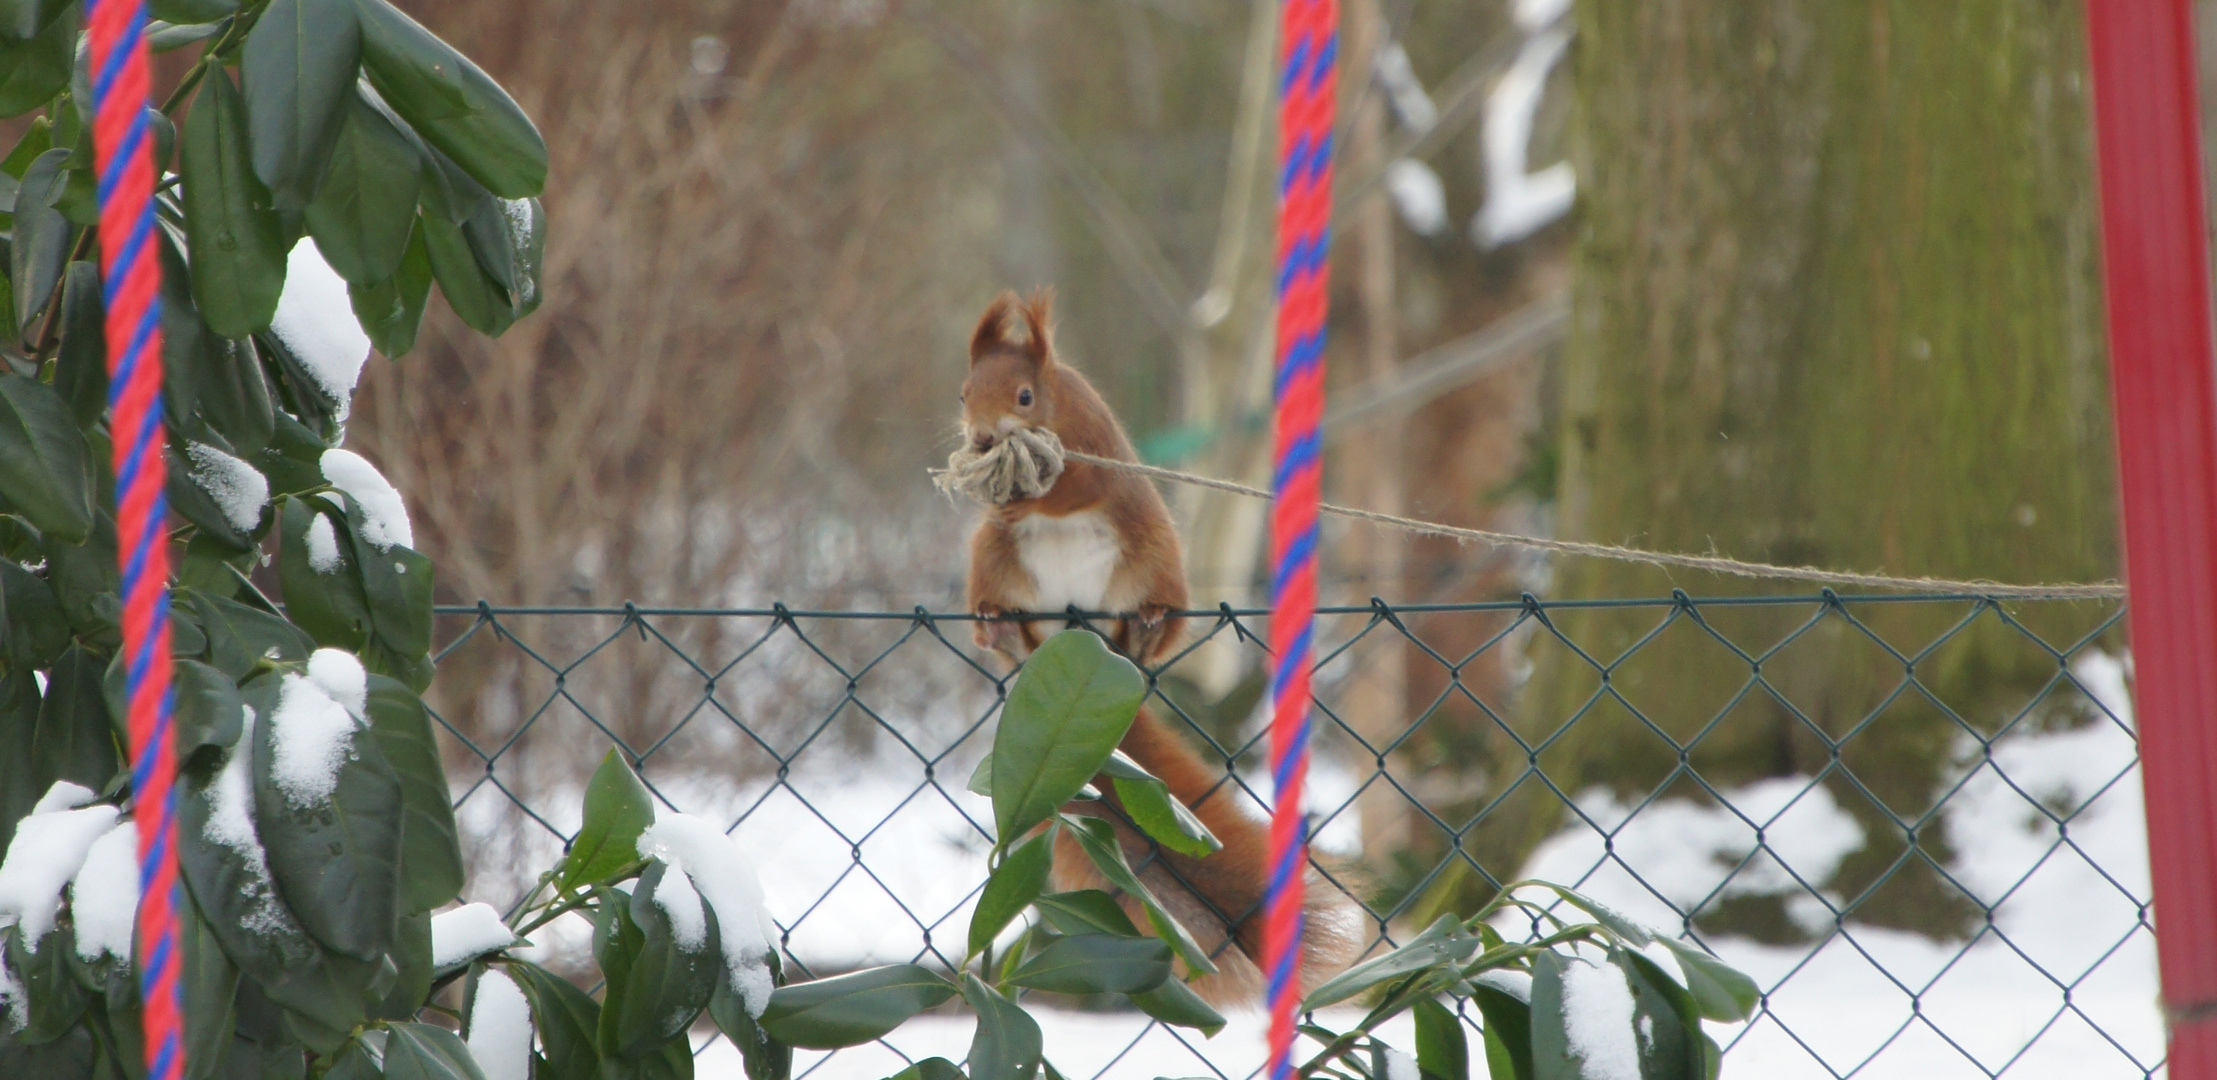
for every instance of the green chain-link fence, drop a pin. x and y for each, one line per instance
(1915, 820)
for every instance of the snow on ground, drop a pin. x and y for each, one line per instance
(863, 862)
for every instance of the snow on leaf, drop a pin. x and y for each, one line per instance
(309, 742)
(340, 675)
(47, 851)
(468, 931)
(724, 876)
(239, 489)
(315, 320)
(323, 546)
(500, 1027)
(1597, 1021)
(104, 896)
(384, 516)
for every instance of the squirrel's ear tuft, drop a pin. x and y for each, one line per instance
(1039, 325)
(995, 327)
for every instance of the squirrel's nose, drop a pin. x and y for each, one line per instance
(981, 440)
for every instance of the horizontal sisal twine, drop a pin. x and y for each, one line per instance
(1026, 464)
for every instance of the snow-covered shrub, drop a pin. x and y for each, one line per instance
(324, 163)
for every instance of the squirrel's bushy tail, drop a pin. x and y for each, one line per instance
(1219, 898)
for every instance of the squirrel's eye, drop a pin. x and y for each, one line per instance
(1023, 397)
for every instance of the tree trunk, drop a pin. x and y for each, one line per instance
(1837, 304)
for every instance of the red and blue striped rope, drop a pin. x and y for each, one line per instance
(1307, 89)
(122, 148)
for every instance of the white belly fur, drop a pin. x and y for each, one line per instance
(1071, 560)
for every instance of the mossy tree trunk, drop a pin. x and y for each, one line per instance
(1837, 304)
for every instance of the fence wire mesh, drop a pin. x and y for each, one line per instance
(1916, 821)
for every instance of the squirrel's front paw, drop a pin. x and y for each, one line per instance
(994, 633)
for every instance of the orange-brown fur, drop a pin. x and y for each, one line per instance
(1217, 898)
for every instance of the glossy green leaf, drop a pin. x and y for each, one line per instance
(74, 740)
(508, 238)
(189, 12)
(1096, 964)
(162, 37)
(423, 1052)
(38, 631)
(1070, 706)
(293, 460)
(19, 786)
(398, 583)
(81, 364)
(238, 245)
(34, 70)
(298, 69)
(565, 1019)
(1631, 932)
(411, 954)
(232, 393)
(666, 983)
(931, 1068)
(1723, 993)
(1018, 881)
(848, 1010)
(209, 710)
(1442, 1047)
(617, 810)
(241, 637)
(475, 297)
(1007, 1043)
(763, 1057)
(1098, 840)
(53, 1000)
(208, 983)
(1175, 1003)
(336, 860)
(188, 493)
(1442, 943)
(1149, 804)
(1087, 911)
(391, 310)
(86, 579)
(365, 207)
(430, 857)
(1507, 1011)
(329, 604)
(39, 244)
(453, 104)
(1665, 1020)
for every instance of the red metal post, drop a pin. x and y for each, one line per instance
(2157, 269)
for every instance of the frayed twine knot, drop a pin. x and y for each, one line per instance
(1022, 466)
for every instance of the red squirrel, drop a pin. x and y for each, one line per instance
(1101, 540)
